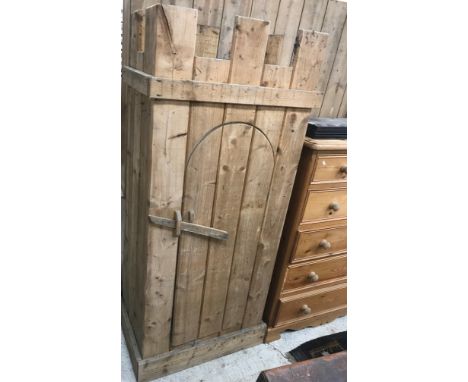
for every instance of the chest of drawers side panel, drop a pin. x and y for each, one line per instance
(293, 218)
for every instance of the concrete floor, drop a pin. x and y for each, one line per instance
(244, 365)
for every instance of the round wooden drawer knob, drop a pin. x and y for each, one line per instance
(325, 244)
(334, 206)
(313, 277)
(305, 309)
(344, 169)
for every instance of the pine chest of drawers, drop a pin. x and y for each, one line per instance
(309, 282)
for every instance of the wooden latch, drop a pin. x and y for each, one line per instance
(179, 225)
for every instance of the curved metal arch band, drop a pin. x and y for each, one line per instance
(227, 124)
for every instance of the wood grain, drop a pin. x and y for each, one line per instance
(318, 205)
(333, 23)
(201, 91)
(169, 51)
(210, 12)
(326, 269)
(318, 301)
(337, 83)
(287, 24)
(288, 153)
(207, 41)
(199, 190)
(308, 243)
(248, 53)
(329, 168)
(186, 356)
(257, 184)
(313, 14)
(265, 10)
(232, 9)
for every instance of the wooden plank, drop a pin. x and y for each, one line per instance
(180, 226)
(287, 23)
(337, 83)
(169, 52)
(140, 272)
(133, 194)
(188, 90)
(210, 12)
(343, 111)
(123, 105)
(248, 52)
(136, 5)
(187, 356)
(288, 153)
(207, 41)
(179, 3)
(125, 32)
(231, 10)
(127, 274)
(257, 184)
(308, 63)
(199, 190)
(174, 59)
(313, 14)
(275, 42)
(265, 10)
(137, 39)
(333, 23)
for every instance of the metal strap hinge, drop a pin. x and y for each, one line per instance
(179, 225)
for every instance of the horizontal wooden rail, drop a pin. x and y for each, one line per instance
(188, 90)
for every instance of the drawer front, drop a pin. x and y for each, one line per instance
(330, 167)
(310, 304)
(315, 272)
(319, 243)
(322, 205)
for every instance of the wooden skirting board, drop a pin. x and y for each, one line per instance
(190, 355)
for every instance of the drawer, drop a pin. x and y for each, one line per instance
(312, 244)
(330, 167)
(329, 204)
(315, 272)
(312, 303)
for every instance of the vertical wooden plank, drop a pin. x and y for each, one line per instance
(126, 271)
(308, 62)
(169, 52)
(136, 5)
(199, 190)
(333, 23)
(125, 32)
(132, 212)
(337, 83)
(137, 39)
(123, 105)
(287, 23)
(275, 42)
(179, 3)
(257, 184)
(288, 152)
(231, 9)
(210, 12)
(248, 52)
(149, 3)
(207, 41)
(343, 111)
(136, 314)
(265, 10)
(313, 14)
